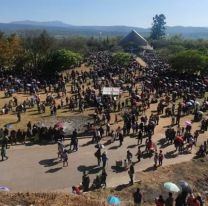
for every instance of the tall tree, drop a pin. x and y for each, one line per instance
(158, 27)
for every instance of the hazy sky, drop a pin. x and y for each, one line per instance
(106, 12)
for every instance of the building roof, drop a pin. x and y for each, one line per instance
(134, 38)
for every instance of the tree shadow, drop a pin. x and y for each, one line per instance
(49, 162)
(53, 170)
(93, 169)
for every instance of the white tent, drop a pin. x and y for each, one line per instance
(111, 91)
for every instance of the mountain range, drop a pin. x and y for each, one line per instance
(60, 29)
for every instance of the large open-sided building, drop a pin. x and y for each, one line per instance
(135, 42)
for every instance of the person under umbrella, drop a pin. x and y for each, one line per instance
(114, 200)
(185, 187)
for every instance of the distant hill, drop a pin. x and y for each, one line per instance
(44, 24)
(60, 29)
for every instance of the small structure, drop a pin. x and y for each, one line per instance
(114, 91)
(134, 42)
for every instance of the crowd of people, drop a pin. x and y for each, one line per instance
(176, 96)
(184, 198)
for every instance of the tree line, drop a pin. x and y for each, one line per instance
(38, 52)
(184, 55)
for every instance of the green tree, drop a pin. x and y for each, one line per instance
(121, 58)
(158, 27)
(191, 61)
(61, 60)
(10, 50)
(37, 46)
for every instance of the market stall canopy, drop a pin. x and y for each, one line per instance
(111, 91)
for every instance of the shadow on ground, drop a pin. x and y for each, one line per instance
(151, 168)
(49, 162)
(121, 187)
(93, 169)
(53, 170)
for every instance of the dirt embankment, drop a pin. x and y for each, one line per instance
(194, 172)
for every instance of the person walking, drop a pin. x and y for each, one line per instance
(160, 201)
(98, 155)
(129, 156)
(103, 177)
(140, 137)
(138, 197)
(18, 116)
(161, 156)
(3, 152)
(169, 201)
(65, 158)
(131, 174)
(120, 135)
(104, 159)
(156, 157)
(139, 154)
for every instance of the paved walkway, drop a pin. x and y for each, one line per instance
(36, 168)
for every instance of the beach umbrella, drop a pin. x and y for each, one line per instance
(114, 200)
(185, 186)
(4, 189)
(188, 123)
(171, 187)
(59, 125)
